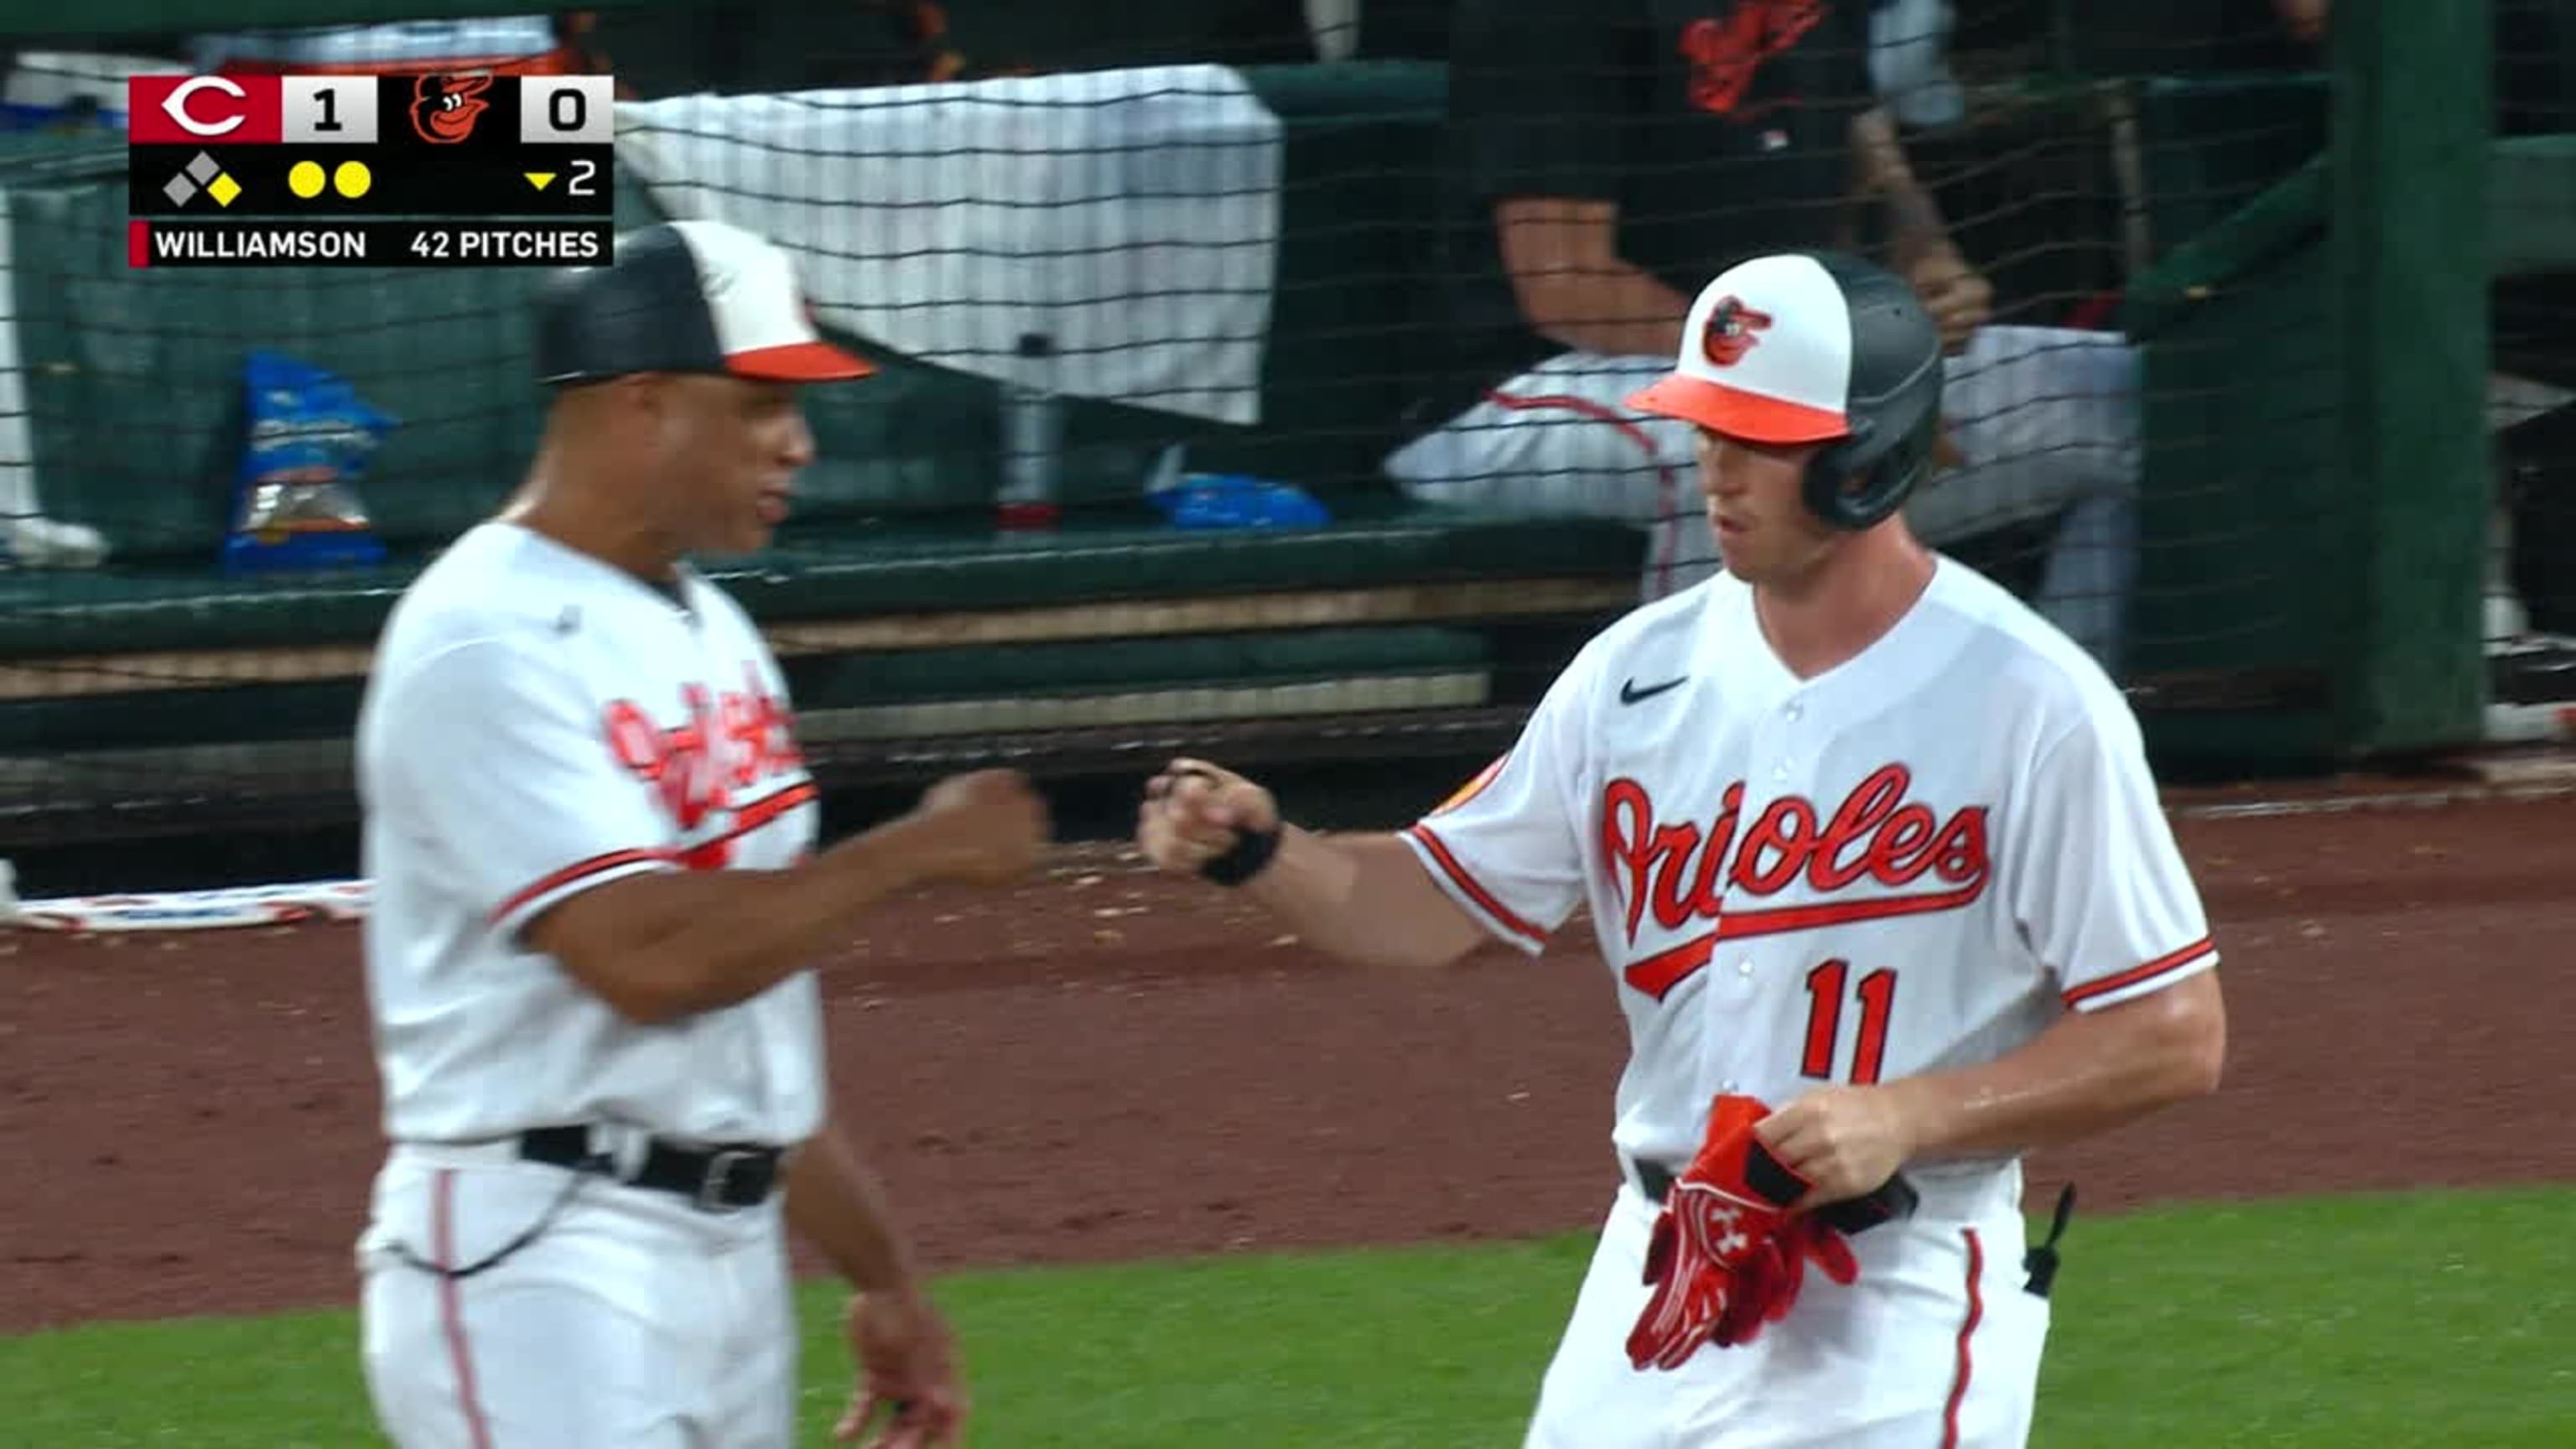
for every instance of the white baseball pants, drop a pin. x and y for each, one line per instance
(633, 1320)
(1937, 1346)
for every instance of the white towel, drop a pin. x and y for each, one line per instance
(402, 43)
(1909, 62)
(28, 536)
(1131, 215)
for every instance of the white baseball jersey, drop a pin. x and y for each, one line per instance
(1912, 861)
(539, 723)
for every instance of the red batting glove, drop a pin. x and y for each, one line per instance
(1720, 1213)
(1682, 1313)
(1734, 1194)
(1766, 1285)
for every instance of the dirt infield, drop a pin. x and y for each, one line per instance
(1108, 1065)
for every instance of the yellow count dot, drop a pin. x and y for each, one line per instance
(304, 178)
(352, 178)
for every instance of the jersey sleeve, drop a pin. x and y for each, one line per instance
(1537, 92)
(2101, 891)
(498, 766)
(1507, 846)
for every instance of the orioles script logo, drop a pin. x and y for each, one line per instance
(1682, 874)
(728, 745)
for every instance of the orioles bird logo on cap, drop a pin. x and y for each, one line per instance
(1729, 333)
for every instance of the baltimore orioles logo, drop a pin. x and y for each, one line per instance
(443, 107)
(1730, 331)
(1725, 55)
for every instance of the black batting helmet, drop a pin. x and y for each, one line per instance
(684, 296)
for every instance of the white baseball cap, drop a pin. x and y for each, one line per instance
(1766, 355)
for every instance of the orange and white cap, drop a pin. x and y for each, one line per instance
(1766, 355)
(685, 296)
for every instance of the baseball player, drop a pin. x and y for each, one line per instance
(1614, 154)
(1875, 862)
(597, 902)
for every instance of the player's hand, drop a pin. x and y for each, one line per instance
(907, 1371)
(1958, 297)
(988, 827)
(1192, 810)
(1846, 1141)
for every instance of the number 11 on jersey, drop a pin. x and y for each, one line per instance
(1825, 988)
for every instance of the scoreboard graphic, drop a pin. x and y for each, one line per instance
(370, 170)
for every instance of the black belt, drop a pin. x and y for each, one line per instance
(1895, 1198)
(714, 1178)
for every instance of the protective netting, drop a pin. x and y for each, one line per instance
(1194, 277)
(2530, 615)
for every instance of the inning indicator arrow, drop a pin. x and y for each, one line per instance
(538, 179)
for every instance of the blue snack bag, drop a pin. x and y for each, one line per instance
(295, 503)
(1234, 500)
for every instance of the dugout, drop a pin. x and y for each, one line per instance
(156, 689)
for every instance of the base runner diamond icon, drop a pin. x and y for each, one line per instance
(202, 174)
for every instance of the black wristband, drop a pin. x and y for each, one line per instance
(1251, 853)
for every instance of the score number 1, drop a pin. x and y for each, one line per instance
(328, 110)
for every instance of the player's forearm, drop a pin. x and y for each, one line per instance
(691, 943)
(778, 929)
(1573, 287)
(1914, 225)
(1362, 899)
(2088, 1073)
(835, 1203)
(1611, 308)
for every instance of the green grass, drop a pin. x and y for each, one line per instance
(2417, 1319)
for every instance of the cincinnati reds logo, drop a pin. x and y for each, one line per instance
(444, 108)
(705, 766)
(1680, 874)
(175, 105)
(1730, 331)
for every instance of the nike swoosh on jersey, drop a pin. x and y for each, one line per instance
(1629, 693)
